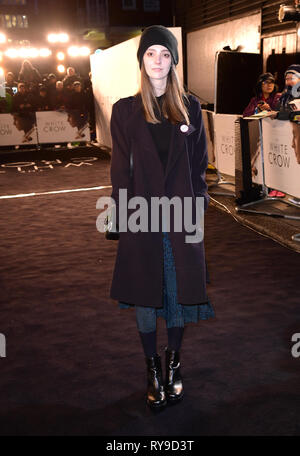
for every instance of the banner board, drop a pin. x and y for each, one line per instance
(17, 129)
(281, 146)
(60, 126)
(224, 133)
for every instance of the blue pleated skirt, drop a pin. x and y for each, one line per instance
(174, 313)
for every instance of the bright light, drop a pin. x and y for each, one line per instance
(23, 53)
(11, 53)
(63, 37)
(1, 71)
(84, 51)
(33, 53)
(60, 56)
(2, 38)
(52, 38)
(45, 52)
(73, 51)
(61, 69)
(58, 37)
(1, 58)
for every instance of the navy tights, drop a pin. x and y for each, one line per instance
(149, 340)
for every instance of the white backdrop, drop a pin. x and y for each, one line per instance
(115, 75)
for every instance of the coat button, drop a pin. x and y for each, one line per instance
(184, 128)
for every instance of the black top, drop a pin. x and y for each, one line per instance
(161, 134)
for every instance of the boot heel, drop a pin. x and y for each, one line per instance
(173, 382)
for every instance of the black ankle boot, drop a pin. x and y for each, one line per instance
(156, 398)
(173, 383)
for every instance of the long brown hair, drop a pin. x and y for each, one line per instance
(174, 103)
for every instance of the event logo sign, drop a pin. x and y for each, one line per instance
(208, 120)
(17, 129)
(282, 155)
(60, 126)
(224, 125)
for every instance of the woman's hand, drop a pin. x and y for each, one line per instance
(264, 107)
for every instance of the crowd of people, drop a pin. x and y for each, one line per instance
(267, 98)
(31, 92)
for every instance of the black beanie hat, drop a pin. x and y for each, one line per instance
(158, 34)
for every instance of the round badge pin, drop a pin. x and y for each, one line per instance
(184, 128)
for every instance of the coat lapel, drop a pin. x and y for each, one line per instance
(177, 144)
(138, 129)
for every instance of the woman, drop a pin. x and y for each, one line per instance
(266, 96)
(266, 99)
(29, 73)
(158, 272)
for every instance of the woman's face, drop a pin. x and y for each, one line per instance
(157, 60)
(267, 86)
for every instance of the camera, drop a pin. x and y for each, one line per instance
(289, 13)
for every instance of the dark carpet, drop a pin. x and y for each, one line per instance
(74, 364)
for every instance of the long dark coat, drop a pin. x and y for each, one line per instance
(138, 273)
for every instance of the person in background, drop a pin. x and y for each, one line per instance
(58, 99)
(43, 102)
(51, 85)
(10, 83)
(78, 100)
(23, 101)
(68, 92)
(266, 99)
(266, 96)
(33, 89)
(71, 77)
(29, 74)
(292, 78)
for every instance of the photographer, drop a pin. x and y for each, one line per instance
(292, 78)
